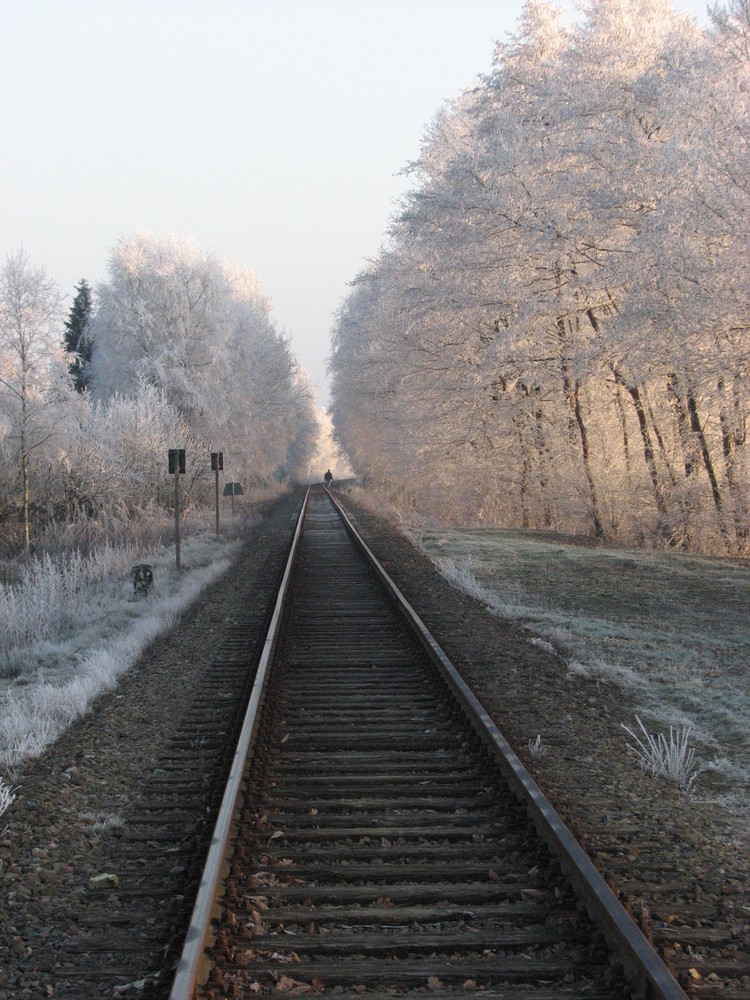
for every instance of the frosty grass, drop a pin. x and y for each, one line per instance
(671, 628)
(72, 629)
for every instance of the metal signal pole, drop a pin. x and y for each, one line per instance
(177, 466)
(217, 464)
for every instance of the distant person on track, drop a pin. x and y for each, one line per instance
(328, 478)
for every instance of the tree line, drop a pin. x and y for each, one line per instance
(176, 349)
(555, 333)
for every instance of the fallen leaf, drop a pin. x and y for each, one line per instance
(385, 902)
(286, 984)
(494, 876)
(285, 738)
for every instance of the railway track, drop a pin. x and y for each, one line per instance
(385, 839)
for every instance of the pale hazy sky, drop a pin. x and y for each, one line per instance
(271, 131)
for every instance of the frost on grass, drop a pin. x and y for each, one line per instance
(461, 576)
(669, 629)
(55, 597)
(616, 673)
(102, 820)
(542, 644)
(577, 669)
(7, 796)
(673, 759)
(537, 749)
(99, 633)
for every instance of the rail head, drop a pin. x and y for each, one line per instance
(188, 966)
(644, 968)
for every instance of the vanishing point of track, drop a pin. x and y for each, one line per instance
(377, 835)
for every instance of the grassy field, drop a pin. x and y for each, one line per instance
(673, 629)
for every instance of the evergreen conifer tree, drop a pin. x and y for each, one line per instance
(75, 342)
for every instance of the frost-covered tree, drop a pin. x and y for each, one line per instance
(33, 377)
(113, 475)
(268, 415)
(162, 318)
(176, 318)
(556, 334)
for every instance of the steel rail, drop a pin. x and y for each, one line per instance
(188, 967)
(643, 967)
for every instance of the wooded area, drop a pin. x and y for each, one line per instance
(176, 349)
(555, 333)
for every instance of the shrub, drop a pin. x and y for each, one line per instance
(53, 596)
(537, 749)
(672, 759)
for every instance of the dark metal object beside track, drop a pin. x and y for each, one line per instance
(378, 846)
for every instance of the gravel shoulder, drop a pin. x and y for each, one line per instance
(671, 857)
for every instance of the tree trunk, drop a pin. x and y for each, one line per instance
(25, 471)
(660, 440)
(572, 396)
(648, 448)
(598, 527)
(526, 521)
(624, 426)
(697, 429)
(731, 436)
(683, 424)
(541, 446)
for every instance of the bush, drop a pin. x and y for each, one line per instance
(674, 760)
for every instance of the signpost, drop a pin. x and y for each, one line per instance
(233, 490)
(177, 467)
(217, 464)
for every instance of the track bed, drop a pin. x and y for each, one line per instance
(378, 850)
